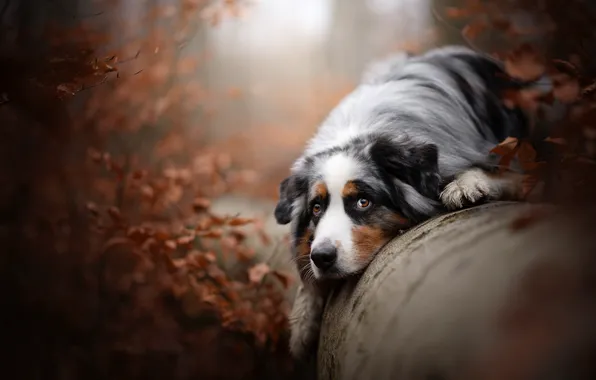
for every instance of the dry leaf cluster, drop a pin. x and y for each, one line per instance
(119, 251)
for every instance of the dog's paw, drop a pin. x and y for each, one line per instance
(469, 187)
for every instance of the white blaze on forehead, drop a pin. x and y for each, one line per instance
(336, 226)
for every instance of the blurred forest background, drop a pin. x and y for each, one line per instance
(142, 146)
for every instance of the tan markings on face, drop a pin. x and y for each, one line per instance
(350, 190)
(369, 239)
(321, 190)
(397, 220)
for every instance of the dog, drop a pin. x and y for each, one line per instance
(412, 140)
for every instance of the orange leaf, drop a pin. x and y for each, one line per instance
(566, 88)
(526, 153)
(453, 12)
(240, 221)
(474, 29)
(501, 23)
(115, 214)
(257, 272)
(201, 204)
(92, 207)
(525, 63)
(170, 244)
(138, 174)
(556, 140)
(506, 146)
(214, 234)
(184, 240)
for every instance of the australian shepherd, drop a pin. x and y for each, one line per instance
(411, 141)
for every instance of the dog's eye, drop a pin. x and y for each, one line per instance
(363, 203)
(316, 209)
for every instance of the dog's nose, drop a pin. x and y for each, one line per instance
(324, 257)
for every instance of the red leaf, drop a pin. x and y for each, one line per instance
(201, 204)
(214, 234)
(115, 214)
(526, 152)
(525, 63)
(474, 29)
(240, 221)
(257, 272)
(453, 12)
(92, 207)
(566, 88)
(506, 146)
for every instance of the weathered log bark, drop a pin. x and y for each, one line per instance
(475, 294)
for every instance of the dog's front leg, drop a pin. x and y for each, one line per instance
(475, 184)
(305, 320)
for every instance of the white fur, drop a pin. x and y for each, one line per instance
(475, 184)
(336, 226)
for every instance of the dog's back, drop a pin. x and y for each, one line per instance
(448, 96)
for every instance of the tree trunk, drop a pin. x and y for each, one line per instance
(488, 292)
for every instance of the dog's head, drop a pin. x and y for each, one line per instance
(347, 202)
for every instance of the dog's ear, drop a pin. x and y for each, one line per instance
(290, 188)
(416, 164)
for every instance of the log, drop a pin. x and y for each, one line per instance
(490, 292)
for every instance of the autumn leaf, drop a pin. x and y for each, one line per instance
(201, 204)
(213, 234)
(240, 221)
(525, 63)
(138, 174)
(95, 155)
(170, 244)
(185, 240)
(92, 207)
(526, 155)
(474, 29)
(453, 12)
(501, 23)
(507, 149)
(506, 146)
(556, 140)
(566, 88)
(257, 272)
(115, 214)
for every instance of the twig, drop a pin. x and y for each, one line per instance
(104, 80)
(128, 59)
